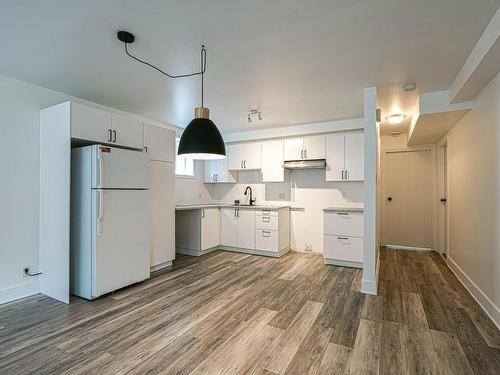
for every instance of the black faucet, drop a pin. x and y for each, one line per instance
(252, 201)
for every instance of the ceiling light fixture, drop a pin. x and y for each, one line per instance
(409, 87)
(200, 139)
(395, 119)
(254, 112)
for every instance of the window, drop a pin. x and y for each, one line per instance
(183, 166)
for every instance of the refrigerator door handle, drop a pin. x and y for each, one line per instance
(99, 165)
(99, 211)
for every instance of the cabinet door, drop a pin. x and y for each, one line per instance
(222, 174)
(293, 149)
(354, 156)
(234, 157)
(334, 157)
(159, 143)
(210, 228)
(126, 131)
(162, 211)
(314, 147)
(246, 229)
(252, 156)
(228, 227)
(90, 124)
(210, 170)
(272, 167)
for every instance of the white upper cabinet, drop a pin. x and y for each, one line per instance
(95, 125)
(244, 156)
(159, 143)
(312, 147)
(294, 149)
(345, 157)
(90, 124)
(216, 171)
(127, 131)
(354, 157)
(272, 161)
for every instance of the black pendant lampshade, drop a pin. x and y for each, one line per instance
(201, 139)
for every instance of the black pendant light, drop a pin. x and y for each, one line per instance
(201, 139)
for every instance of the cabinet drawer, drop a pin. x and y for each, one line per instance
(343, 248)
(266, 212)
(266, 222)
(266, 240)
(344, 223)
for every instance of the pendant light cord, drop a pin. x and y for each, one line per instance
(203, 67)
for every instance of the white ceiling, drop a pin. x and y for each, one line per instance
(299, 61)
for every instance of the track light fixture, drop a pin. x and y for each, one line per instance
(201, 139)
(253, 113)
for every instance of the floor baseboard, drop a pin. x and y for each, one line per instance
(482, 299)
(412, 248)
(19, 291)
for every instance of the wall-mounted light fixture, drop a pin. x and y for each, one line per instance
(200, 139)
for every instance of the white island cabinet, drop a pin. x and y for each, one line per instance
(343, 236)
(197, 229)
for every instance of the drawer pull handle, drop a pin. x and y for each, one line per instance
(343, 238)
(264, 232)
(345, 214)
(266, 219)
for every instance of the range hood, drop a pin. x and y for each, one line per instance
(305, 164)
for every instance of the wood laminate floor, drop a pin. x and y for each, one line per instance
(240, 314)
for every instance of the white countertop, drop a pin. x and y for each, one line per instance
(181, 207)
(344, 209)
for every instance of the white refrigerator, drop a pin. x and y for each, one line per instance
(109, 220)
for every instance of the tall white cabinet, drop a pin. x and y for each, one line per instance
(344, 157)
(159, 143)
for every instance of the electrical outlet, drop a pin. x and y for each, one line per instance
(308, 247)
(282, 195)
(24, 270)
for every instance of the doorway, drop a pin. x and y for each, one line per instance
(443, 209)
(408, 199)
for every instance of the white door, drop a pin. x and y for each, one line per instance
(119, 168)
(354, 157)
(246, 229)
(90, 124)
(159, 143)
(162, 211)
(127, 131)
(294, 149)
(408, 200)
(272, 167)
(121, 252)
(314, 147)
(252, 156)
(335, 157)
(210, 170)
(228, 227)
(210, 228)
(234, 156)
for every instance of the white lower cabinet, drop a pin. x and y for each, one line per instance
(343, 238)
(238, 228)
(197, 230)
(210, 228)
(162, 213)
(229, 227)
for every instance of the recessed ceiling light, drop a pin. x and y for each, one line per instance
(395, 119)
(410, 87)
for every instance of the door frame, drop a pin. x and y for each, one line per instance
(434, 191)
(444, 191)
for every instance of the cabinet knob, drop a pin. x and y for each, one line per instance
(389, 199)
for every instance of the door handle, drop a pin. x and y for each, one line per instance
(146, 149)
(241, 164)
(202, 213)
(110, 135)
(216, 177)
(305, 154)
(264, 232)
(238, 212)
(389, 199)
(245, 164)
(266, 219)
(302, 154)
(342, 174)
(346, 174)
(114, 136)
(99, 165)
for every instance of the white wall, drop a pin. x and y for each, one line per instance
(474, 198)
(20, 105)
(305, 190)
(192, 190)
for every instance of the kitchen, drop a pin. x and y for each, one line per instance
(249, 187)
